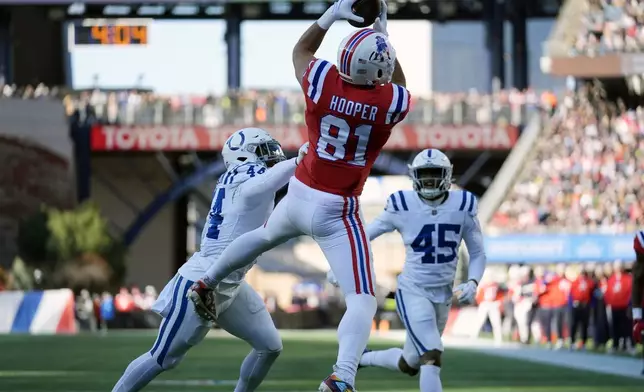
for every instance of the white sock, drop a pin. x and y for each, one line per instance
(387, 359)
(430, 380)
(254, 369)
(138, 374)
(353, 335)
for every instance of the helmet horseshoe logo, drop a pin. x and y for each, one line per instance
(241, 142)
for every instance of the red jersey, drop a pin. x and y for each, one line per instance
(348, 125)
(559, 289)
(581, 290)
(541, 293)
(618, 292)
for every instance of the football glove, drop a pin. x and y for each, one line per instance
(638, 325)
(341, 9)
(380, 25)
(466, 292)
(301, 153)
(331, 279)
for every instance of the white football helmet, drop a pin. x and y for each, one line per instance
(366, 58)
(431, 173)
(252, 145)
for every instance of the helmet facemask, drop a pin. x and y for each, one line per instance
(431, 181)
(270, 152)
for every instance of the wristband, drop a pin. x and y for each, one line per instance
(637, 313)
(327, 19)
(475, 282)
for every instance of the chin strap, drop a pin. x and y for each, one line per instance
(435, 201)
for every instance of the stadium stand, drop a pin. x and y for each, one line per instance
(130, 107)
(586, 163)
(611, 26)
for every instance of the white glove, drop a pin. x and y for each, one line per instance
(301, 153)
(380, 25)
(331, 278)
(465, 292)
(341, 9)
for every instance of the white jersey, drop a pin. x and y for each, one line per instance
(241, 202)
(432, 236)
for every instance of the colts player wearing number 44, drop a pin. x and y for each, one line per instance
(242, 201)
(351, 109)
(432, 220)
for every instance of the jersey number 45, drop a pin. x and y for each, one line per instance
(338, 142)
(444, 251)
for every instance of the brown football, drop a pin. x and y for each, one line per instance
(368, 9)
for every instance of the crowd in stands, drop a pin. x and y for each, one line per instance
(126, 309)
(611, 26)
(585, 173)
(141, 107)
(575, 306)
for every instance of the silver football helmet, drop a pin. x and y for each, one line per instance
(252, 145)
(431, 173)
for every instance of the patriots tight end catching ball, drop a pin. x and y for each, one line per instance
(362, 97)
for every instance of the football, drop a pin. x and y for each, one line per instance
(368, 9)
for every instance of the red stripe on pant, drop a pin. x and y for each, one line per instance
(365, 246)
(354, 255)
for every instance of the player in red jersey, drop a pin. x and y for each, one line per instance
(351, 109)
(637, 292)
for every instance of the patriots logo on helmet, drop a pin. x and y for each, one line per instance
(381, 45)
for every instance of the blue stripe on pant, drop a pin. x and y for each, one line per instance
(402, 311)
(171, 324)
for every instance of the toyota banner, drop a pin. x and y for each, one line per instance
(199, 138)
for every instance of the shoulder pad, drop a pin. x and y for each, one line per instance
(315, 77)
(397, 202)
(241, 173)
(399, 105)
(465, 201)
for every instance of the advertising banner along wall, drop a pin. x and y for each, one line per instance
(199, 138)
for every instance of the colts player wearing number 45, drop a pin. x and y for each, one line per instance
(242, 201)
(351, 109)
(432, 221)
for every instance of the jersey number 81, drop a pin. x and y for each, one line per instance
(338, 142)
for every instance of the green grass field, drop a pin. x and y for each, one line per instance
(94, 363)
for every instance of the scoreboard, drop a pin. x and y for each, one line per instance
(105, 32)
(111, 34)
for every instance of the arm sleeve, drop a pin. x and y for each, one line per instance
(399, 106)
(264, 180)
(473, 237)
(313, 80)
(385, 222)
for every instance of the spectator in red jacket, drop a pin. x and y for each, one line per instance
(544, 302)
(559, 289)
(581, 293)
(618, 298)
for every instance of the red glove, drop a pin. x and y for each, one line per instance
(638, 325)
(638, 331)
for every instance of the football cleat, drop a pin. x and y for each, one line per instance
(334, 384)
(204, 300)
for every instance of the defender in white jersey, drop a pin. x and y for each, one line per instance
(256, 168)
(432, 221)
